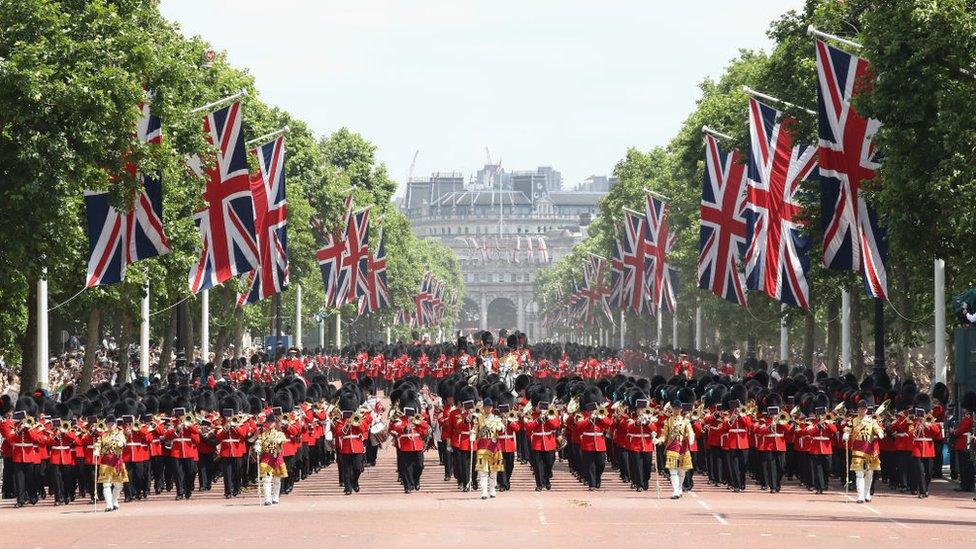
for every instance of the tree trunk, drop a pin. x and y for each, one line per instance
(166, 349)
(833, 335)
(125, 338)
(28, 345)
(809, 337)
(857, 338)
(220, 345)
(91, 346)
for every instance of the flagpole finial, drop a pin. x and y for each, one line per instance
(715, 133)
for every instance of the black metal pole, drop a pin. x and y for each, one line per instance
(879, 337)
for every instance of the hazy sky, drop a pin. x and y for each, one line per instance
(567, 83)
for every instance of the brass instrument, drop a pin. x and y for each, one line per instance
(882, 411)
(188, 420)
(418, 419)
(356, 419)
(551, 413)
(27, 423)
(783, 418)
(100, 425)
(698, 412)
(601, 412)
(743, 410)
(646, 416)
(511, 416)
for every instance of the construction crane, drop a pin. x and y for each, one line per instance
(413, 164)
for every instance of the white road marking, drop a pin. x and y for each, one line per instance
(705, 505)
(765, 535)
(721, 520)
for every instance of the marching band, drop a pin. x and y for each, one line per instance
(484, 409)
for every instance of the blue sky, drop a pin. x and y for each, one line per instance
(571, 84)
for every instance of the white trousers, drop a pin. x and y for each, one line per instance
(111, 493)
(863, 481)
(677, 478)
(272, 488)
(487, 481)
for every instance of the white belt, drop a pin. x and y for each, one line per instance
(923, 440)
(542, 433)
(506, 436)
(773, 435)
(464, 432)
(231, 440)
(22, 444)
(182, 440)
(134, 444)
(737, 430)
(820, 438)
(60, 447)
(593, 434)
(350, 436)
(901, 434)
(410, 435)
(643, 435)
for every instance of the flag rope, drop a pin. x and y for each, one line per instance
(170, 307)
(65, 302)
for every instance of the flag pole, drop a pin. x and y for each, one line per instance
(268, 136)
(767, 97)
(657, 194)
(204, 326)
(42, 341)
(715, 133)
(298, 316)
(144, 333)
(219, 102)
(635, 212)
(812, 31)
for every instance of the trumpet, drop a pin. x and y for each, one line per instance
(551, 413)
(99, 425)
(27, 423)
(188, 419)
(698, 413)
(418, 419)
(512, 416)
(356, 419)
(646, 416)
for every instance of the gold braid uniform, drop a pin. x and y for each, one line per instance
(864, 432)
(487, 429)
(677, 436)
(271, 463)
(108, 446)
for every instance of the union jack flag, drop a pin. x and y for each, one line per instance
(227, 224)
(351, 278)
(404, 316)
(116, 239)
(660, 285)
(853, 241)
(423, 306)
(722, 236)
(616, 274)
(776, 255)
(377, 296)
(329, 255)
(637, 263)
(595, 291)
(271, 208)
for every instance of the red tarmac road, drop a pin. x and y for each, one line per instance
(381, 515)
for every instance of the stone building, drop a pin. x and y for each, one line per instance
(504, 227)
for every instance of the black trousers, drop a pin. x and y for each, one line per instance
(640, 468)
(921, 474)
(772, 466)
(593, 464)
(157, 467)
(61, 480)
(371, 451)
(351, 466)
(966, 471)
(937, 462)
(715, 465)
(462, 469)
(137, 479)
(23, 476)
(231, 469)
(185, 472)
(505, 477)
(542, 467)
(737, 472)
(411, 467)
(442, 457)
(819, 467)
(207, 470)
(623, 463)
